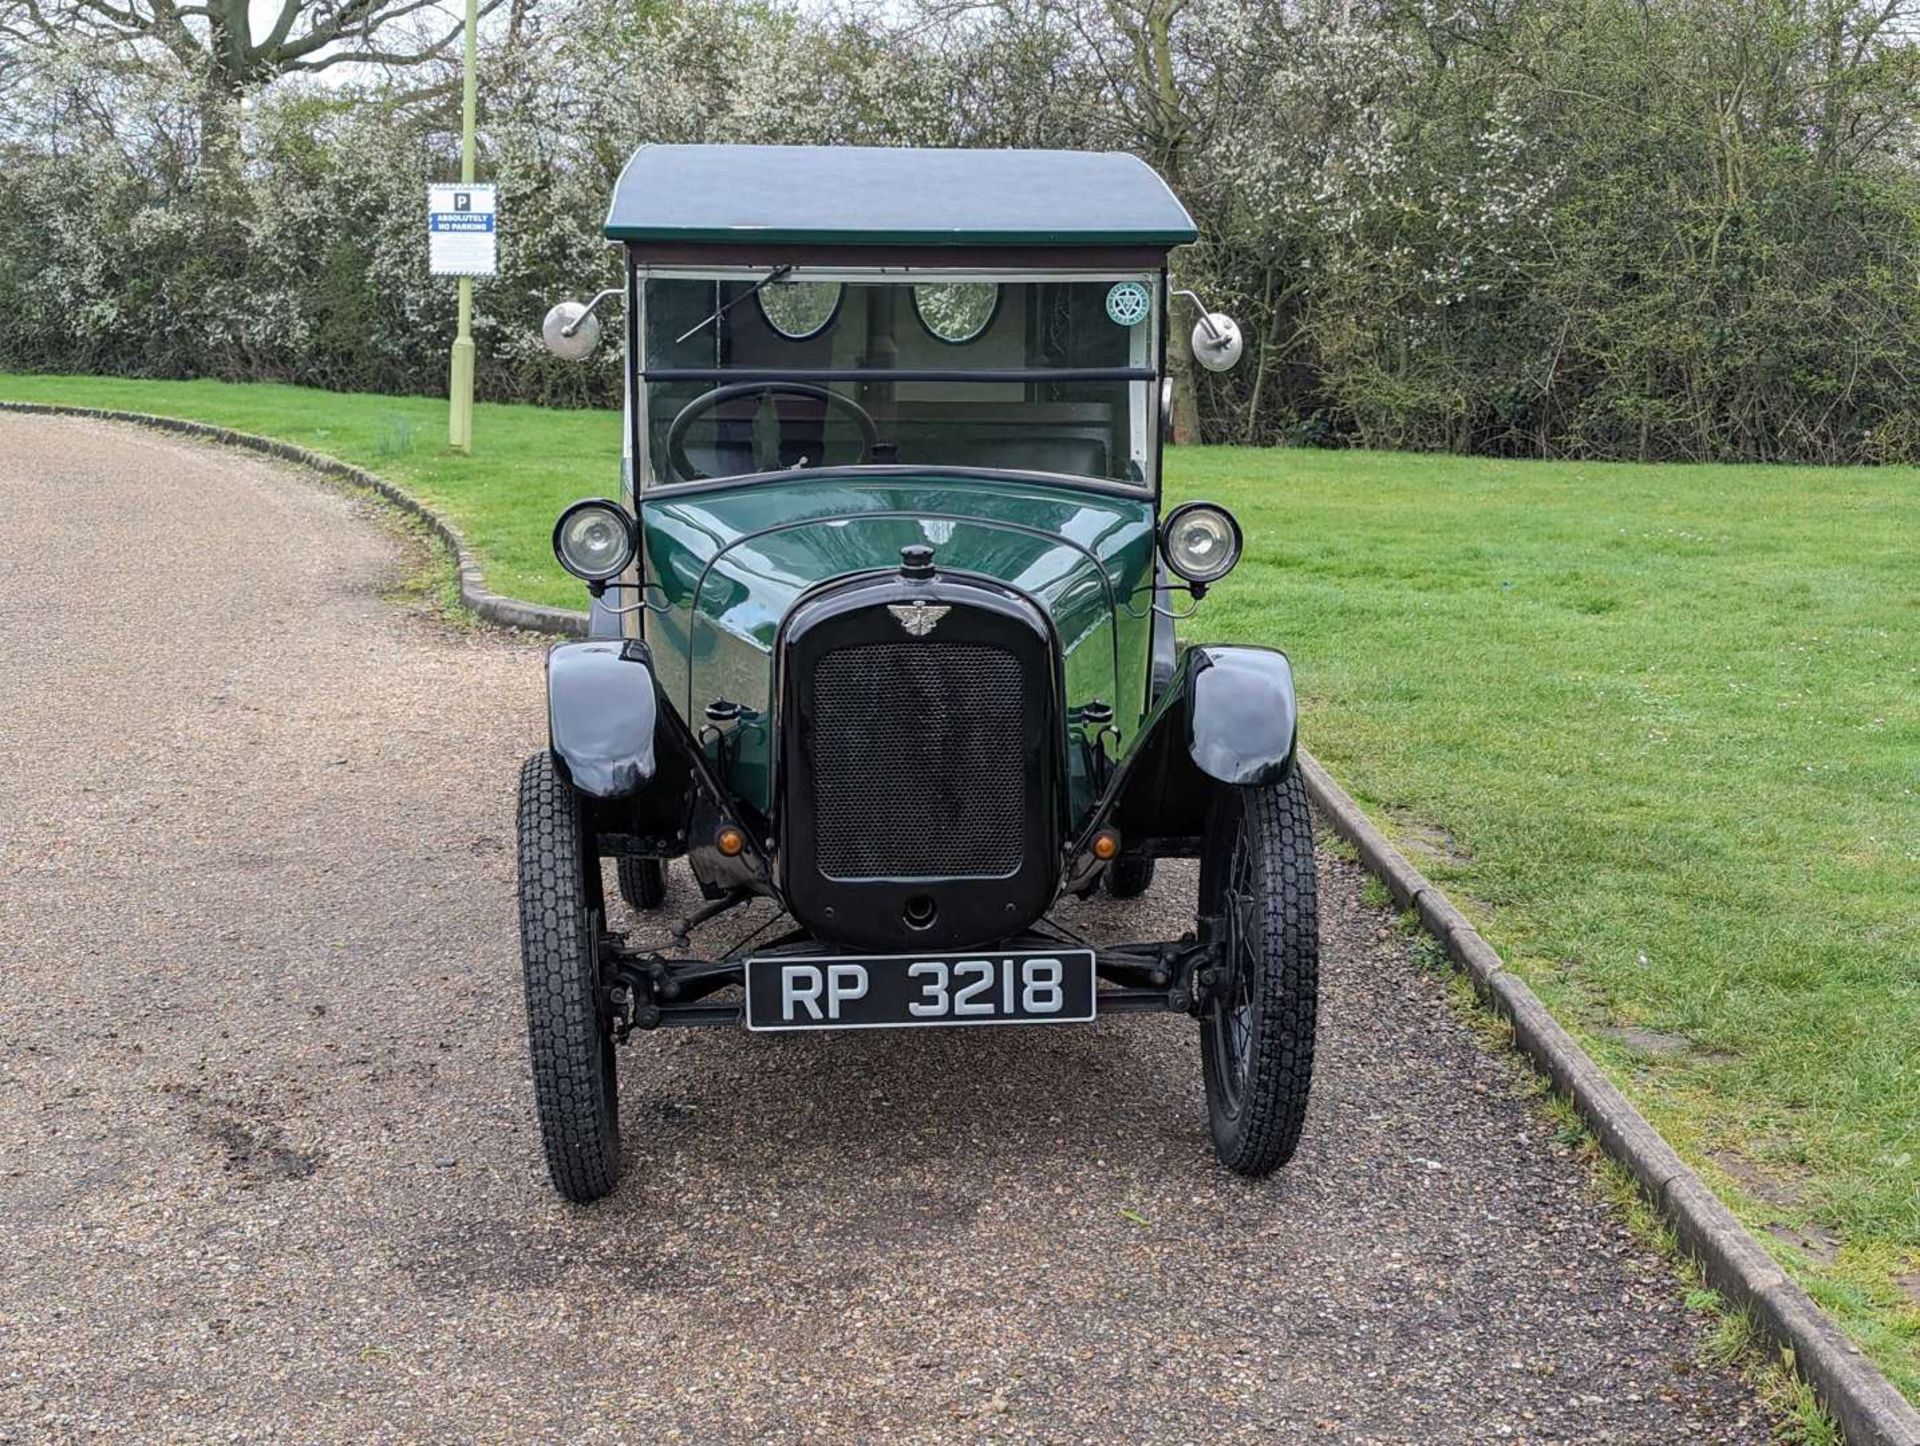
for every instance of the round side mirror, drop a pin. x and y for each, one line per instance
(570, 331)
(1217, 342)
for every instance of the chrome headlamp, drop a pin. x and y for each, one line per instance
(1201, 542)
(594, 539)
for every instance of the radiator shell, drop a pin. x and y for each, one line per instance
(919, 771)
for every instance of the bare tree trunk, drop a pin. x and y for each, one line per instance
(1186, 378)
(219, 114)
(1163, 126)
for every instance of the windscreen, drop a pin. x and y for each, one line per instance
(769, 371)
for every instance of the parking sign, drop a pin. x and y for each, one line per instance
(461, 230)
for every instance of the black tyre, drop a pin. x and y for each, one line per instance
(643, 881)
(575, 1092)
(1256, 873)
(1129, 876)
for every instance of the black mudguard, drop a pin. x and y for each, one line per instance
(1242, 719)
(1229, 715)
(601, 711)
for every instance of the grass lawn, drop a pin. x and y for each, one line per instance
(1656, 728)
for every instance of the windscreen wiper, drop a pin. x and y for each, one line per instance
(772, 276)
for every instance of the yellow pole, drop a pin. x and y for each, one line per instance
(460, 387)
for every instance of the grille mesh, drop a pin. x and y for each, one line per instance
(916, 761)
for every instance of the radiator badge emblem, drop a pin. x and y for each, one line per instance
(916, 617)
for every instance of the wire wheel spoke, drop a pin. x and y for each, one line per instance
(1233, 1018)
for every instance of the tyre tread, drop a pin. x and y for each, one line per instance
(579, 1124)
(643, 881)
(1267, 1132)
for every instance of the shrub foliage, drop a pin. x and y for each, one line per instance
(1646, 229)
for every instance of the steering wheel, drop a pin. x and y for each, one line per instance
(684, 471)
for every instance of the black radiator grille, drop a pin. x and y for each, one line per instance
(915, 753)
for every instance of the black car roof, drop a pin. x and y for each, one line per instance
(884, 196)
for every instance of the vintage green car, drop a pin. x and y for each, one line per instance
(882, 630)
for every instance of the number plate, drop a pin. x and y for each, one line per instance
(904, 991)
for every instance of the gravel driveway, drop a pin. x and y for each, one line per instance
(268, 1167)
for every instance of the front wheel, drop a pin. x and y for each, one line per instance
(575, 1091)
(1257, 881)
